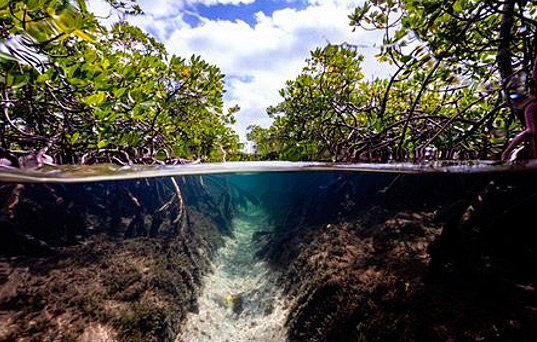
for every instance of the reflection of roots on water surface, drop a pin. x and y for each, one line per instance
(239, 301)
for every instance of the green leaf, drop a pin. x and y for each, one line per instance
(95, 99)
(458, 6)
(17, 80)
(74, 138)
(43, 78)
(6, 57)
(90, 56)
(31, 4)
(161, 154)
(119, 92)
(82, 5)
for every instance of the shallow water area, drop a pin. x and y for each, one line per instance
(269, 251)
(239, 301)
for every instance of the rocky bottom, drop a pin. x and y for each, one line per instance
(367, 279)
(105, 289)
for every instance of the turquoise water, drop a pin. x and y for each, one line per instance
(240, 301)
(207, 250)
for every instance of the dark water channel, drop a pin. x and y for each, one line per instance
(284, 252)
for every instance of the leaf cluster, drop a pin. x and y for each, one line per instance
(82, 93)
(456, 66)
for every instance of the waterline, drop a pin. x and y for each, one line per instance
(108, 172)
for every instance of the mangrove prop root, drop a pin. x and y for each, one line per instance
(179, 198)
(9, 207)
(450, 243)
(528, 103)
(527, 135)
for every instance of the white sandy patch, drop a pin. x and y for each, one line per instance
(239, 302)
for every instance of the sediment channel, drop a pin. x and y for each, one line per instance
(240, 301)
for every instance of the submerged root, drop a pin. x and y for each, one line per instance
(76, 277)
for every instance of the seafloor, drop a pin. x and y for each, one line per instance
(335, 257)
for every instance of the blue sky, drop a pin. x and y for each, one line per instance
(258, 44)
(244, 11)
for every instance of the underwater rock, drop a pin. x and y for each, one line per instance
(238, 304)
(128, 287)
(96, 332)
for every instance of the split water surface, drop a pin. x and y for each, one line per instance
(269, 252)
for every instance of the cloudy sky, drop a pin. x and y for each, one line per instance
(258, 44)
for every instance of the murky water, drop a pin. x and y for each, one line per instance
(263, 251)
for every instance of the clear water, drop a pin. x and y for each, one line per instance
(207, 241)
(240, 301)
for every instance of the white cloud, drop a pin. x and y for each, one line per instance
(258, 59)
(101, 9)
(161, 7)
(160, 29)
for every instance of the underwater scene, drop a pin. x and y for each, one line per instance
(269, 252)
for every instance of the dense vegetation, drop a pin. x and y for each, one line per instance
(73, 91)
(461, 88)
